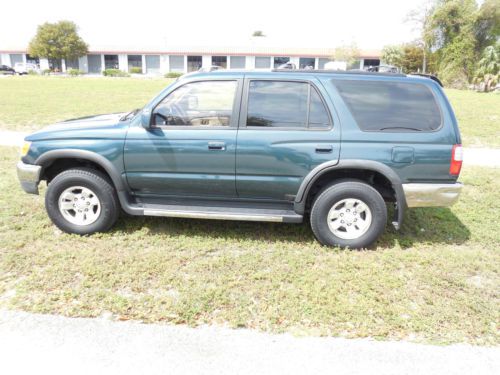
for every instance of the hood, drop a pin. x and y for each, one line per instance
(99, 126)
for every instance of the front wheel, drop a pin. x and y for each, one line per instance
(82, 201)
(348, 214)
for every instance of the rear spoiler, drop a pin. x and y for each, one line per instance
(430, 76)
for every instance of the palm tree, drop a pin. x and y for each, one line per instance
(488, 67)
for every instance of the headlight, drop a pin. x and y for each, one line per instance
(25, 148)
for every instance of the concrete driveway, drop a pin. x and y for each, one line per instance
(44, 344)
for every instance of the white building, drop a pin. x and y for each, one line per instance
(184, 59)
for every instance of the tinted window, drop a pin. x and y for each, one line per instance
(285, 104)
(390, 106)
(278, 104)
(318, 116)
(208, 103)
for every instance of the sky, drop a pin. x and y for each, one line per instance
(308, 23)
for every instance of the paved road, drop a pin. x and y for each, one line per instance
(44, 344)
(488, 157)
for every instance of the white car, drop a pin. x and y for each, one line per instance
(25, 68)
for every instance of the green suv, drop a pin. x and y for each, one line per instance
(332, 148)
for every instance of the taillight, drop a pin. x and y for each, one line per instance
(457, 156)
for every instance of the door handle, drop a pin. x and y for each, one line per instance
(216, 146)
(324, 149)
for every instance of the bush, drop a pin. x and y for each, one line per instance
(46, 72)
(32, 72)
(173, 75)
(74, 72)
(136, 70)
(115, 73)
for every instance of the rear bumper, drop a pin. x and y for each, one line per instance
(431, 195)
(29, 177)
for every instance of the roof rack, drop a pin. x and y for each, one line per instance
(355, 72)
(430, 76)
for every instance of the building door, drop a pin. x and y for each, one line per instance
(94, 62)
(153, 64)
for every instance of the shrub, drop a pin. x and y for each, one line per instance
(32, 72)
(173, 75)
(114, 73)
(74, 72)
(46, 72)
(136, 70)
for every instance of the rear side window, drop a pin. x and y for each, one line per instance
(285, 104)
(390, 106)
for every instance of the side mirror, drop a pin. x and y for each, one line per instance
(146, 118)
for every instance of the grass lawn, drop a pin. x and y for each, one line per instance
(436, 281)
(30, 102)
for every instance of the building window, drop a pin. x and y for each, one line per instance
(278, 61)
(262, 62)
(15, 58)
(194, 63)
(176, 63)
(110, 61)
(371, 62)
(72, 64)
(237, 62)
(153, 64)
(220, 61)
(306, 62)
(33, 60)
(322, 62)
(134, 61)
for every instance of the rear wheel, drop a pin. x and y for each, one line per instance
(348, 214)
(82, 201)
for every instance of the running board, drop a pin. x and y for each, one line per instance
(223, 213)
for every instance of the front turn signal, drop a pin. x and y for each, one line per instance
(25, 148)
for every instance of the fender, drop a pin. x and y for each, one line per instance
(318, 171)
(121, 189)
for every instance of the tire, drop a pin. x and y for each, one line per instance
(339, 218)
(98, 213)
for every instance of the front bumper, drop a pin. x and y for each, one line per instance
(431, 195)
(29, 177)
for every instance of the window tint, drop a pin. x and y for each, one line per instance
(285, 104)
(208, 103)
(318, 116)
(390, 106)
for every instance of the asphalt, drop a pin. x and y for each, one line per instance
(487, 157)
(45, 344)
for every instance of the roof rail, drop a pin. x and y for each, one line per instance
(430, 76)
(324, 71)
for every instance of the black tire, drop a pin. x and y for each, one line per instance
(345, 190)
(93, 180)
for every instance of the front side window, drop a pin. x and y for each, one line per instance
(390, 106)
(286, 105)
(207, 103)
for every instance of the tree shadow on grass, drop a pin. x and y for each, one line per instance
(421, 225)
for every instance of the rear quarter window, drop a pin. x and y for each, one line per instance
(390, 106)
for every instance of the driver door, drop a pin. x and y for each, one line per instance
(189, 150)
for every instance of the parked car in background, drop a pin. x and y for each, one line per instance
(211, 68)
(257, 146)
(383, 69)
(25, 68)
(5, 69)
(287, 65)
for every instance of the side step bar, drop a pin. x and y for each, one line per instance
(223, 213)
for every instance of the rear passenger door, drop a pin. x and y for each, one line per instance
(287, 127)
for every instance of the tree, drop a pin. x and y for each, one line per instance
(58, 40)
(347, 52)
(487, 26)
(488, 67)
(451, 33)
(393, 55)
(258, 33)
(420, 17)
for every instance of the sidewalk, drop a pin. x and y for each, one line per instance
(486, 157)
(45, 344)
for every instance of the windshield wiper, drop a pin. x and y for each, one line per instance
(400, 127)
(129, 115)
